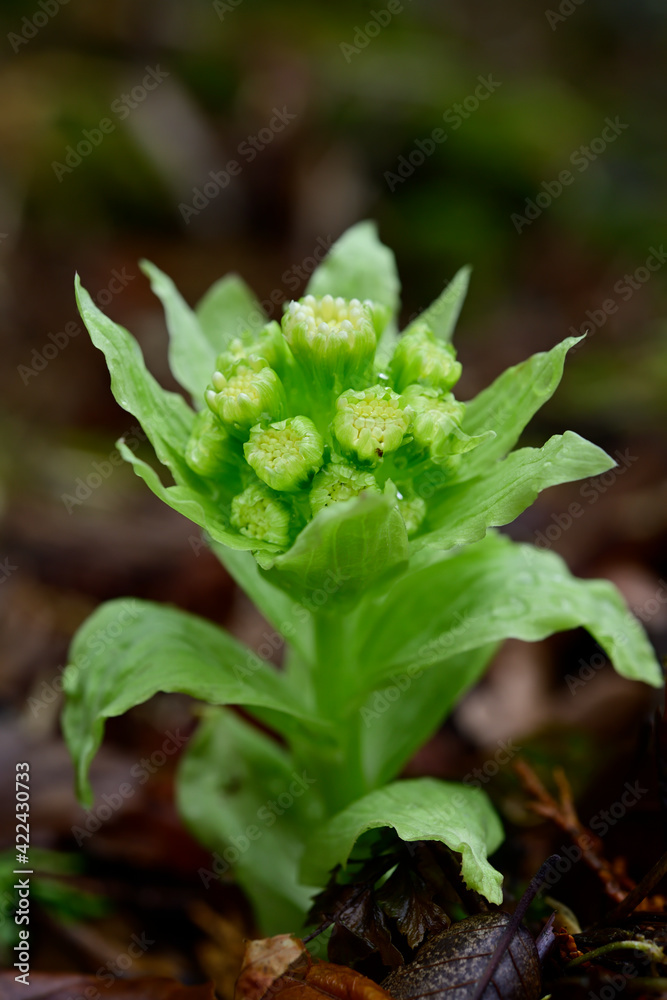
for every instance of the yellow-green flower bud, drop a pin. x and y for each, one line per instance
(420, 358)
(259, 514)
(268, 344)
(413, 511)
(337, 482)
(371, 422)
(333, 339)
(209, 450)
(436, 423)
(285, 455)
(251, 391)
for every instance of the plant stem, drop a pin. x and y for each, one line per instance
(338, 769)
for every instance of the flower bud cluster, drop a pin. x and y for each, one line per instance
(298, 419)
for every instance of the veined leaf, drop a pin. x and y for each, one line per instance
(508, 404)
(241, 795)
(418, 809)
(227, 310)
(443, 314)
(191, 355)
(462, 512)
(358, 266)
(495, 590)
(128, 650)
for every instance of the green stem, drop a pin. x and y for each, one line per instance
(338, 769)
(651, 949)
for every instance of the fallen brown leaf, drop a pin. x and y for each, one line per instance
(282, 967)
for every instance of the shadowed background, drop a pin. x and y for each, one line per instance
(247, 136)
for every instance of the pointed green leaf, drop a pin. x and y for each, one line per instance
(242, 797)
(128, 650)
(227, 310)
(358, 266)
(191, 355)
(346, 548)
(463, 511)
(508, 404)
(165, 416)
(443, 314)
(205, 503)
(495, 590)
(418, 809)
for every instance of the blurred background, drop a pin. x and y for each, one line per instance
(246, 135)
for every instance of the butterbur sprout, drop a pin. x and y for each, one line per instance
(342, 485)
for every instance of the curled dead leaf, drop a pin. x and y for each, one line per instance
(281, 967)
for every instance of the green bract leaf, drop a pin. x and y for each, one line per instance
(206, 506)
(508, 404)
(418, 809)
(344, 550)
(191, 355)
(165, 416)
(128, 650)
(441, 315)
(491, 591)
(227, 310)
(463, 511)
(358, 266)
(242, 796)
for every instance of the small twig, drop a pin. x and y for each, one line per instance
(639, 893)
(564, 815)
(513, 925)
